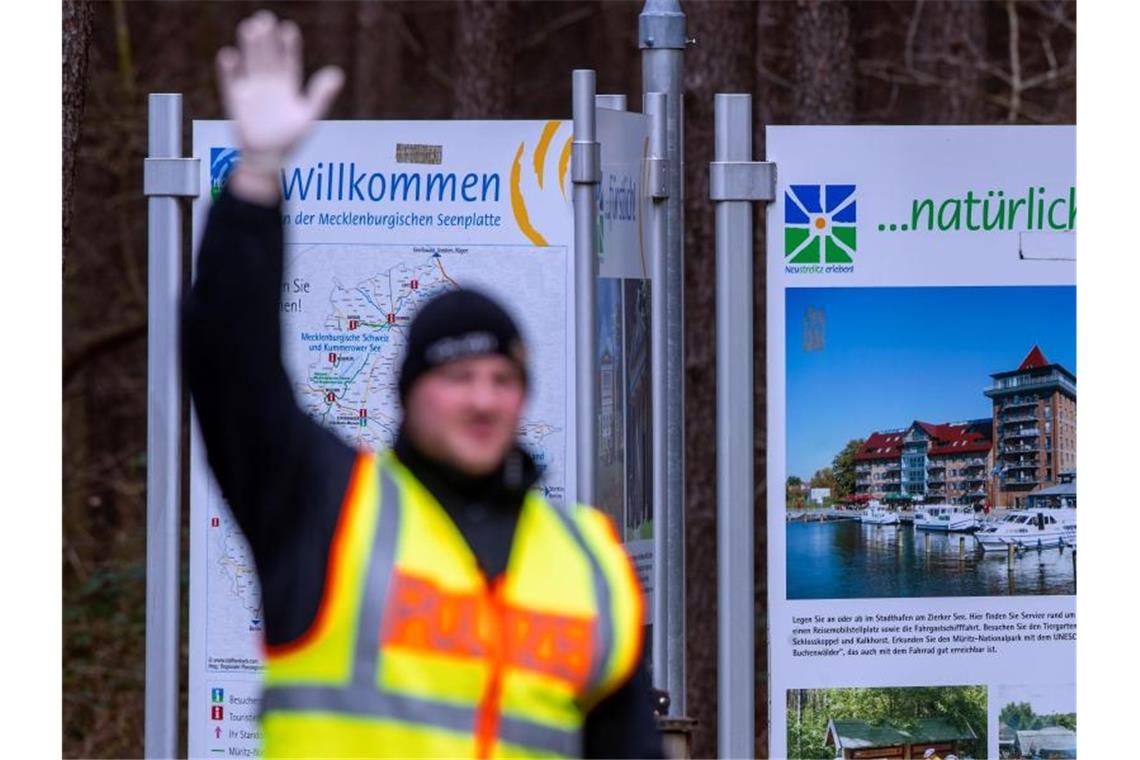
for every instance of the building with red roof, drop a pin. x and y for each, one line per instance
(945, 462)
(1027, 445)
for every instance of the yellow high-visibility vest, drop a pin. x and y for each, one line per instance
(414, 654)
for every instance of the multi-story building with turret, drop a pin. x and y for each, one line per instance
(1035, 428)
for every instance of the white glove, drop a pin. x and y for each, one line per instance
(260, 85)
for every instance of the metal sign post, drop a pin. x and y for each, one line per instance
(585, 172)
(658, 191)
(166, 177)
(662, 41)
(735, 181)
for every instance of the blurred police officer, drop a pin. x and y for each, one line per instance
(422, 601)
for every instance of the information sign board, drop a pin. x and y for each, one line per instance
(922, 366)
(378, 218)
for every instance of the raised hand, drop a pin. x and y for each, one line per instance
(261, 88)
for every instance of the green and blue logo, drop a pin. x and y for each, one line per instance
(222, 162)
(819, 224)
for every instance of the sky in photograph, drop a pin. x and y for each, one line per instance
(894, 355)
(1048, 699)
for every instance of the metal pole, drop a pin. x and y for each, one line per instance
(164, 393)
(654, 107)
(662, 41)
(585, 169)
(735, 602)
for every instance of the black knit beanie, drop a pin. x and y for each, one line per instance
(457, 325)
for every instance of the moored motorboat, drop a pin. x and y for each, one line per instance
(875, 514)
(1039, 528)
(945, 517)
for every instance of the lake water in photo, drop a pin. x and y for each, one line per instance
(849, 560)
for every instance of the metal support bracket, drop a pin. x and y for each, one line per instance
(171, 177)
(657, 178)
(586, 163)
(742, 181)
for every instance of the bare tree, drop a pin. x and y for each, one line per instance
(823, 63)
(378, 62)
(483, 57)
(966, 62)
(945, 43)
(77, 15)
(721, 61)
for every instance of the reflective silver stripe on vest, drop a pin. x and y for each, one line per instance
(604, 624)
(381, 561)
(363, 696)
(374, 703)
(526, 733)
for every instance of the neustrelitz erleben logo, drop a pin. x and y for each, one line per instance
(819, 228)
(222, 162)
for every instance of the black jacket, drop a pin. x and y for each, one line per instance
(284, 476)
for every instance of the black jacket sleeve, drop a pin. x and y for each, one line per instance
(622, 724)
(282, 474)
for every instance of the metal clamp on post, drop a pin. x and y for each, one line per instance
(657, 179)
(657, 163)
(171, 177)
(585, 162)
(742, 181)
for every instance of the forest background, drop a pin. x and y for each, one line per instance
(803, 61)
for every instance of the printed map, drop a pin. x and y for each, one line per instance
(346, 310)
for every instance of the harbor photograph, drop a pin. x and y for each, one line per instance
(931, 445)
(901, 722)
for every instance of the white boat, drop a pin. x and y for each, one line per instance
(1042, 528)
(877, 515)
(945, 517)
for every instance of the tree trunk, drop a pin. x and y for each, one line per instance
(721, 61)
(483, 54)
(377, 65)
(77, 15)
(823, 71)
(949, 44)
